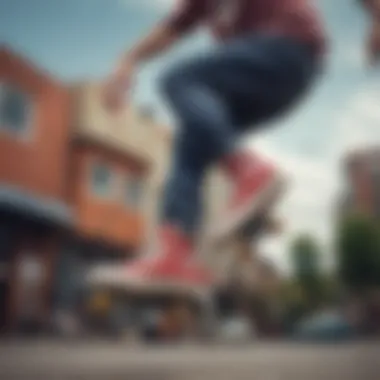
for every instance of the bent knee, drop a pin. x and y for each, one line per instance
(182, 76)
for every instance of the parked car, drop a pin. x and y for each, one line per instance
(326, 326)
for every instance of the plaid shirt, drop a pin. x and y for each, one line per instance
(229, 18)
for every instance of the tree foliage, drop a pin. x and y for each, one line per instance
(307, 272)
(358, 249)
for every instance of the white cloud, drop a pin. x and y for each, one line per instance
(310, 204)
(359, 124)
(352, 56)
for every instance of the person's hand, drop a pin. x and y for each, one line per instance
(118, 85)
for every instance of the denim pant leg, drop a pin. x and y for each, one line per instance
(183, 196)
(205, 133)
(263, 75)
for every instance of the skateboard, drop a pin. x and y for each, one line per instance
(191, 309)
(174, 301)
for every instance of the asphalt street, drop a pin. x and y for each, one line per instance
(43, 360)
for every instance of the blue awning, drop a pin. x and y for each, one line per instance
(49, 210)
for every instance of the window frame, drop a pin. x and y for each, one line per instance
(109, 194)
(25, 132)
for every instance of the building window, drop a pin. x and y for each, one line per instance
(15, 109)
(101, 180)
(133, 192)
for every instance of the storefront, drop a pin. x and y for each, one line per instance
(30, 235)
(6, 250)
(72, 300)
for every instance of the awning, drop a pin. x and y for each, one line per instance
(49, 210)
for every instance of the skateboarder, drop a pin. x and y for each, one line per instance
(373, 45)
(268, 56)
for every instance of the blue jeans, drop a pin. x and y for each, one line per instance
(218, 97)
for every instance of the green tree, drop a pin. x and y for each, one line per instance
(307, 271)
(358, 249)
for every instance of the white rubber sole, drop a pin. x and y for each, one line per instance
(138, 285)
(262, 201)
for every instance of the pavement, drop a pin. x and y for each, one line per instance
(262, 361)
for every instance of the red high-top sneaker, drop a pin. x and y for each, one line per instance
(172, 265)
(255, 185)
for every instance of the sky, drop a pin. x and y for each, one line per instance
(81, 39)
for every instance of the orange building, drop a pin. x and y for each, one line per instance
(74, 183)
(362, 180)
(34, 139)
